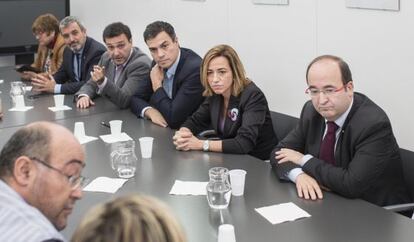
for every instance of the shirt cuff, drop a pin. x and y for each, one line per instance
(294, 173)
(143, 111)
(305, 159)
(102, 85)
(58, 88)
(82, 95)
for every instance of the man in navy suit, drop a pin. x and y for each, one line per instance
(173, 90)
(79, 58)
(343, 142)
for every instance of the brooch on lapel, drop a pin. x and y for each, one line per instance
(233, 113)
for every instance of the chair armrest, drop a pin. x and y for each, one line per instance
(400, 207)
(209, 134)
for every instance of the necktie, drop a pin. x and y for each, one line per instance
(78, 66)
(118, 71)
(167, 84)
(327, 149)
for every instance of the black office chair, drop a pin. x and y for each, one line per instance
(408, 170)
(282, 124)
(209, 134)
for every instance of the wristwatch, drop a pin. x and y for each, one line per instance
(206, 145)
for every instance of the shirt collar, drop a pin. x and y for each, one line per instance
(80, 52)
(341, 120)
(171, 71)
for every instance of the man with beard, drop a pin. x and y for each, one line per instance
(40, 181)
(118, 72)
(79, 58)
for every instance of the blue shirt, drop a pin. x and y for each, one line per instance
(168, 82)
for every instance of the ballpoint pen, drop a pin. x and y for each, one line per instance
(105, 124)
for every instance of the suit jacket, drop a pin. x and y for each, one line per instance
(368, 163)
(186, 93)
(135, 71)
(56, 59)
(248, 126)
(92, 52)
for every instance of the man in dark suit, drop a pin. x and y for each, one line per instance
(173, 90)
(343, 142)
(119, 70)
(79, 58)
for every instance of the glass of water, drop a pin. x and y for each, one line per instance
(218, 188)
(17, 88)
(123, 159)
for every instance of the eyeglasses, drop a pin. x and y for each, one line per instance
(314, 92)
(37, 34)
(74, 181)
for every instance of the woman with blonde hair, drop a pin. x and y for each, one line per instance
(235, 108)
(133, 218)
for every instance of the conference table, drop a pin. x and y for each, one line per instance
(40, 103)
(333, 218)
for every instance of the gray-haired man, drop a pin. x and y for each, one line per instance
(81, 54)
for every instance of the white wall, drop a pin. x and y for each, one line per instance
(277, 42)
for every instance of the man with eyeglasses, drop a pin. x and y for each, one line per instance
(40, 181)
(119, 70)
(82, 54)
(343, 142)
(173, 90)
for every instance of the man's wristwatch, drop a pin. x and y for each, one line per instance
(206, 145)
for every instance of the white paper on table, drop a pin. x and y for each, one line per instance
(28, 88)
(85, 139)
(109, 138)
(189, 188)
(105, 184)
(283, 212)
(63, 108)
(20, 109)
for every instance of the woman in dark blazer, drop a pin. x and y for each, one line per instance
(235, 108)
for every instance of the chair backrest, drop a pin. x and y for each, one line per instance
(282, 124)
(407, 157)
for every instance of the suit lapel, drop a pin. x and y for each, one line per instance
(176, 79)
(233, 116)
(215, 105)
(84, 60)
(71, 66)
(316, 134)
(355, 106)
(111, 71)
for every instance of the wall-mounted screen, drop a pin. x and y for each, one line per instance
(16, 18)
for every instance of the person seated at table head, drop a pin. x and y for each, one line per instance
(82, 54)
(343, 141)
(172, 91)
(235, 107)
(40, 181)
(49, 55)
(132, 218)
(119, 71)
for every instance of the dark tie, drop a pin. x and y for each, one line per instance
(78, 67)
(327, 151)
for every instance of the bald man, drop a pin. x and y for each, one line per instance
(343, 142)
(40, 181)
